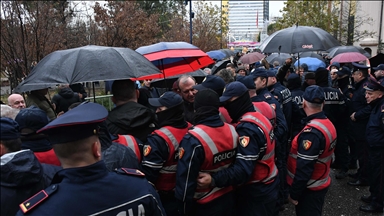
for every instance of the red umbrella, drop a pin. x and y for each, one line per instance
(173, 58)
(349, 57)
(251, 58)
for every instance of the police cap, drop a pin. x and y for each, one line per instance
(9, 129)
(344, 71)
(379, 67)
(259, 72)
(314, 94)
(76, 124)
(271, 73)
(211, 82)
(374, 85)
(168, 99)
(233, 89)
(357, 66)
(247, 81)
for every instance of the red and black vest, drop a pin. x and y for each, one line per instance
(265, 169)
(130, 141)
(219, 145)
(48, 157)
(267, 110)
(167, 175)
(320, 178)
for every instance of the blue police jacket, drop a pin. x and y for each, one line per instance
(335, 106)
(93, 190)
(189, 165)
(284, 98)
(375, 126)
(306, 166)
(362, 109)
(281, 128)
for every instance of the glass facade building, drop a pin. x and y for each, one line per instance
(245, 19)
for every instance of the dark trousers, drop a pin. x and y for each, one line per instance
(281, 164)
(376, 163)
(311, 203)
(222, 206)
(257, 200)
(362, 155)
(341, 150)
(169, 202)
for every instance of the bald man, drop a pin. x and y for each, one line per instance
(16, 101)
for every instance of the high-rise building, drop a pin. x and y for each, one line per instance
(245, 19)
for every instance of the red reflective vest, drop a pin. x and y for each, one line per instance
(265, 170)
(224, 115)
(48, 157)
(167, 175)
(219, 145)
(267, 110)
(320, 178)
(130, 141)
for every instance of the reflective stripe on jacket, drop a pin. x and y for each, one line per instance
(219, 145)
(320, 178)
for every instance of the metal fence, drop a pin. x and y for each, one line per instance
(104, 100)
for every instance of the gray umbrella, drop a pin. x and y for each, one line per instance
(334, 51)
(298, 39)
(280, 57)
(87, 64)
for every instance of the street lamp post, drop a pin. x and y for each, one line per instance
(191, 15)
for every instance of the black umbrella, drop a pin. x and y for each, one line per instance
(278, 57)
(312, 55)
(199, 75)
(298, 39)
(87, 64)
(219, 65)
(334, 51)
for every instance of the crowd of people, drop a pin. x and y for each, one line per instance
(248, 140)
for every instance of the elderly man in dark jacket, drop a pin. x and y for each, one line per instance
(21, 173)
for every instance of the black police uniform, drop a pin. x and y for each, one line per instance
(358, 128)
(375, 139)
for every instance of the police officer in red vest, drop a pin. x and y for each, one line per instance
(131, 142)
(160, 153)
(255, 160)
(310, 156)
(209, 146)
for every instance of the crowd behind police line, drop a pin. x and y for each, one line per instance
(246, 141)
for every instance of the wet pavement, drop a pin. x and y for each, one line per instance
(341, 199)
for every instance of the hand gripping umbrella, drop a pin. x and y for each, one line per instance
(86, 64)
(298, 39)
(173, 58)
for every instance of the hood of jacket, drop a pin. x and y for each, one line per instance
(66, 93)
(20, 168)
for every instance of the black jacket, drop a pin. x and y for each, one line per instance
(131, 118)
(22, 176)
(64, 99)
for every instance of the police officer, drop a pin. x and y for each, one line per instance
(294, 85)
(85, 186)
(254, 166)
(335, 110)
(375, 138)
(379, 72)
(209, 146)
(263, 107)
(359, 119)
(161, 150)
(310, 156)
